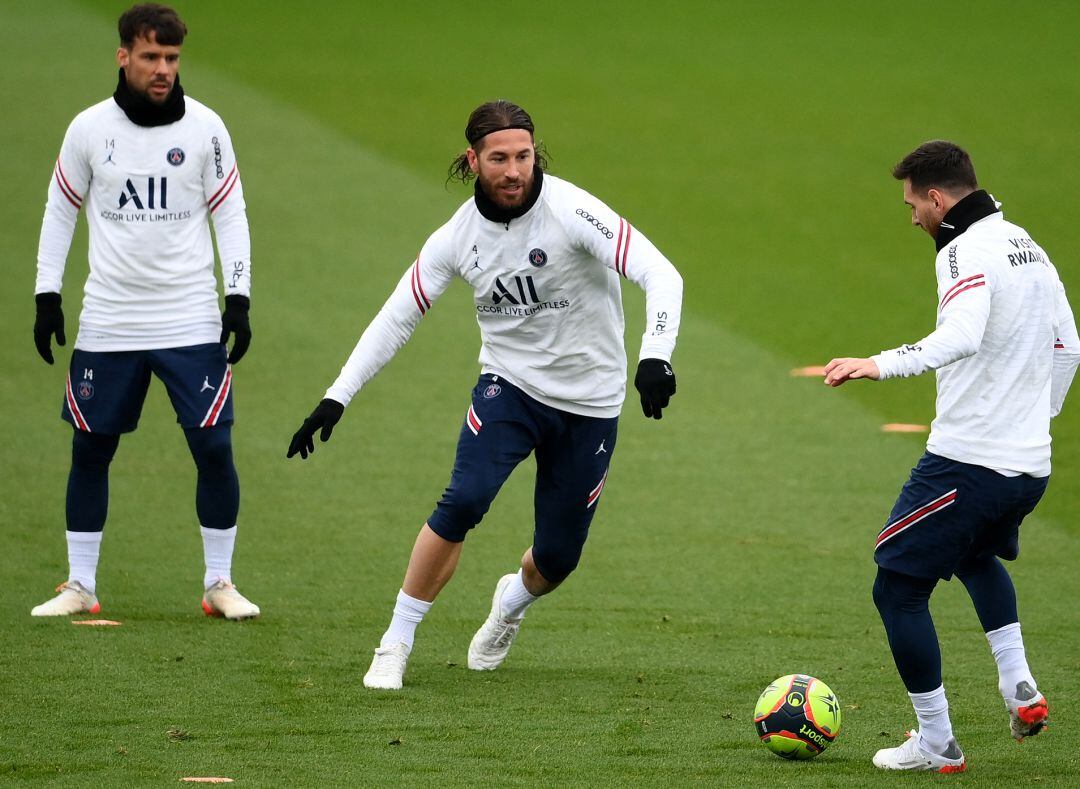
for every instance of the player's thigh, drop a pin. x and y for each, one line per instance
(937, 517)
(1001, 535)
(571, 474)
(198, 379)
(105, 390)
(498, 432)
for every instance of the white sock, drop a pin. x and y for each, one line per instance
(217, 552)
(84, 547)
(932, 710)
(516, 598)
(408, 614)
(1007, 646)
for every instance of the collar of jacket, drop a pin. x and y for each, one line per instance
(489, 210)
(143, 112)
(975, 206)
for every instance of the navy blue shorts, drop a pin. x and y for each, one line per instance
(503, 426)
(105, 390)
(952, 514)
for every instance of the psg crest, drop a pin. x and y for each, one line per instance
(85, 390)
(175, 157)
(538, 257)
(492, 390)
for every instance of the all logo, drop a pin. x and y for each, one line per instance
(156, 188)
(175, 157)
(537, 257)
(85, 390)
(518, 295)
(492, 391)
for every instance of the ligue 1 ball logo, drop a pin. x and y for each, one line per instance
(797, 716)
(537, 257)
(175, 157)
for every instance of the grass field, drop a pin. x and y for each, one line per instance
(752, 142)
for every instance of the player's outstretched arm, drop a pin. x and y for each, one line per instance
(48, 321)
(655, 382)
(847, 369)
(326, 414)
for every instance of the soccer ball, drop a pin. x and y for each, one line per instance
(797, 716)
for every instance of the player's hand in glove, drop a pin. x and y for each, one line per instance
(325, 416)
(655, 382)
(49, 321)
(235, 321)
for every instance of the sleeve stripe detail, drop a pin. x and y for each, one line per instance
(421, 298)
(230, 182)
(61, 181)
(954, 293)
(622, 249)
(948, 295)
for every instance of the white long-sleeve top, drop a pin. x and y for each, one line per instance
(546, 288)
(148, 193)
(1005, 350)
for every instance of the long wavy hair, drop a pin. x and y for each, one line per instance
(491, 117)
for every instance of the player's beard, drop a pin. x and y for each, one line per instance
(493, 188)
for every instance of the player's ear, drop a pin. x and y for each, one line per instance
(123, 55)
(936, 197)
(474, 163)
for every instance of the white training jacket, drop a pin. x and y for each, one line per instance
(1005, 350)
(546, 288)
(148, 193)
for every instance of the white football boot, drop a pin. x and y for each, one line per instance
(1028, 712)
(495, 637)
(73, 598)
(222, 599)
(911, 756)
(387, 667)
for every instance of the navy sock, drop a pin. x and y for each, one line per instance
(904, 604)
(217, 492)
(88, 481)
(992, 592)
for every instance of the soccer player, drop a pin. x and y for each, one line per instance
(1005, 350)
(544, 260)
(152, 166)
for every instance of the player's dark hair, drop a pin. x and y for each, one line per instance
(139, 20)
(491, 117)
(938, 164)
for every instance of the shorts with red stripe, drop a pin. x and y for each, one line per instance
(502, 427)
(951, 515)
(105, 390)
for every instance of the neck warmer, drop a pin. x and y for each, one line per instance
(975, 206)
(143, 112)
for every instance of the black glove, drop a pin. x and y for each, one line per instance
(49, 321)
(326, 415)
(655, 381)
(235, 321)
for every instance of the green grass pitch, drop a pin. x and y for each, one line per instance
(752, 142)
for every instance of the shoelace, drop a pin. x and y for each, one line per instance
(506, 633)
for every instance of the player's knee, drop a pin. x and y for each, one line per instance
(459, 510)
(895, 591)
(93, 450)
(882, 598)
(211, 448)
(556, 564)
